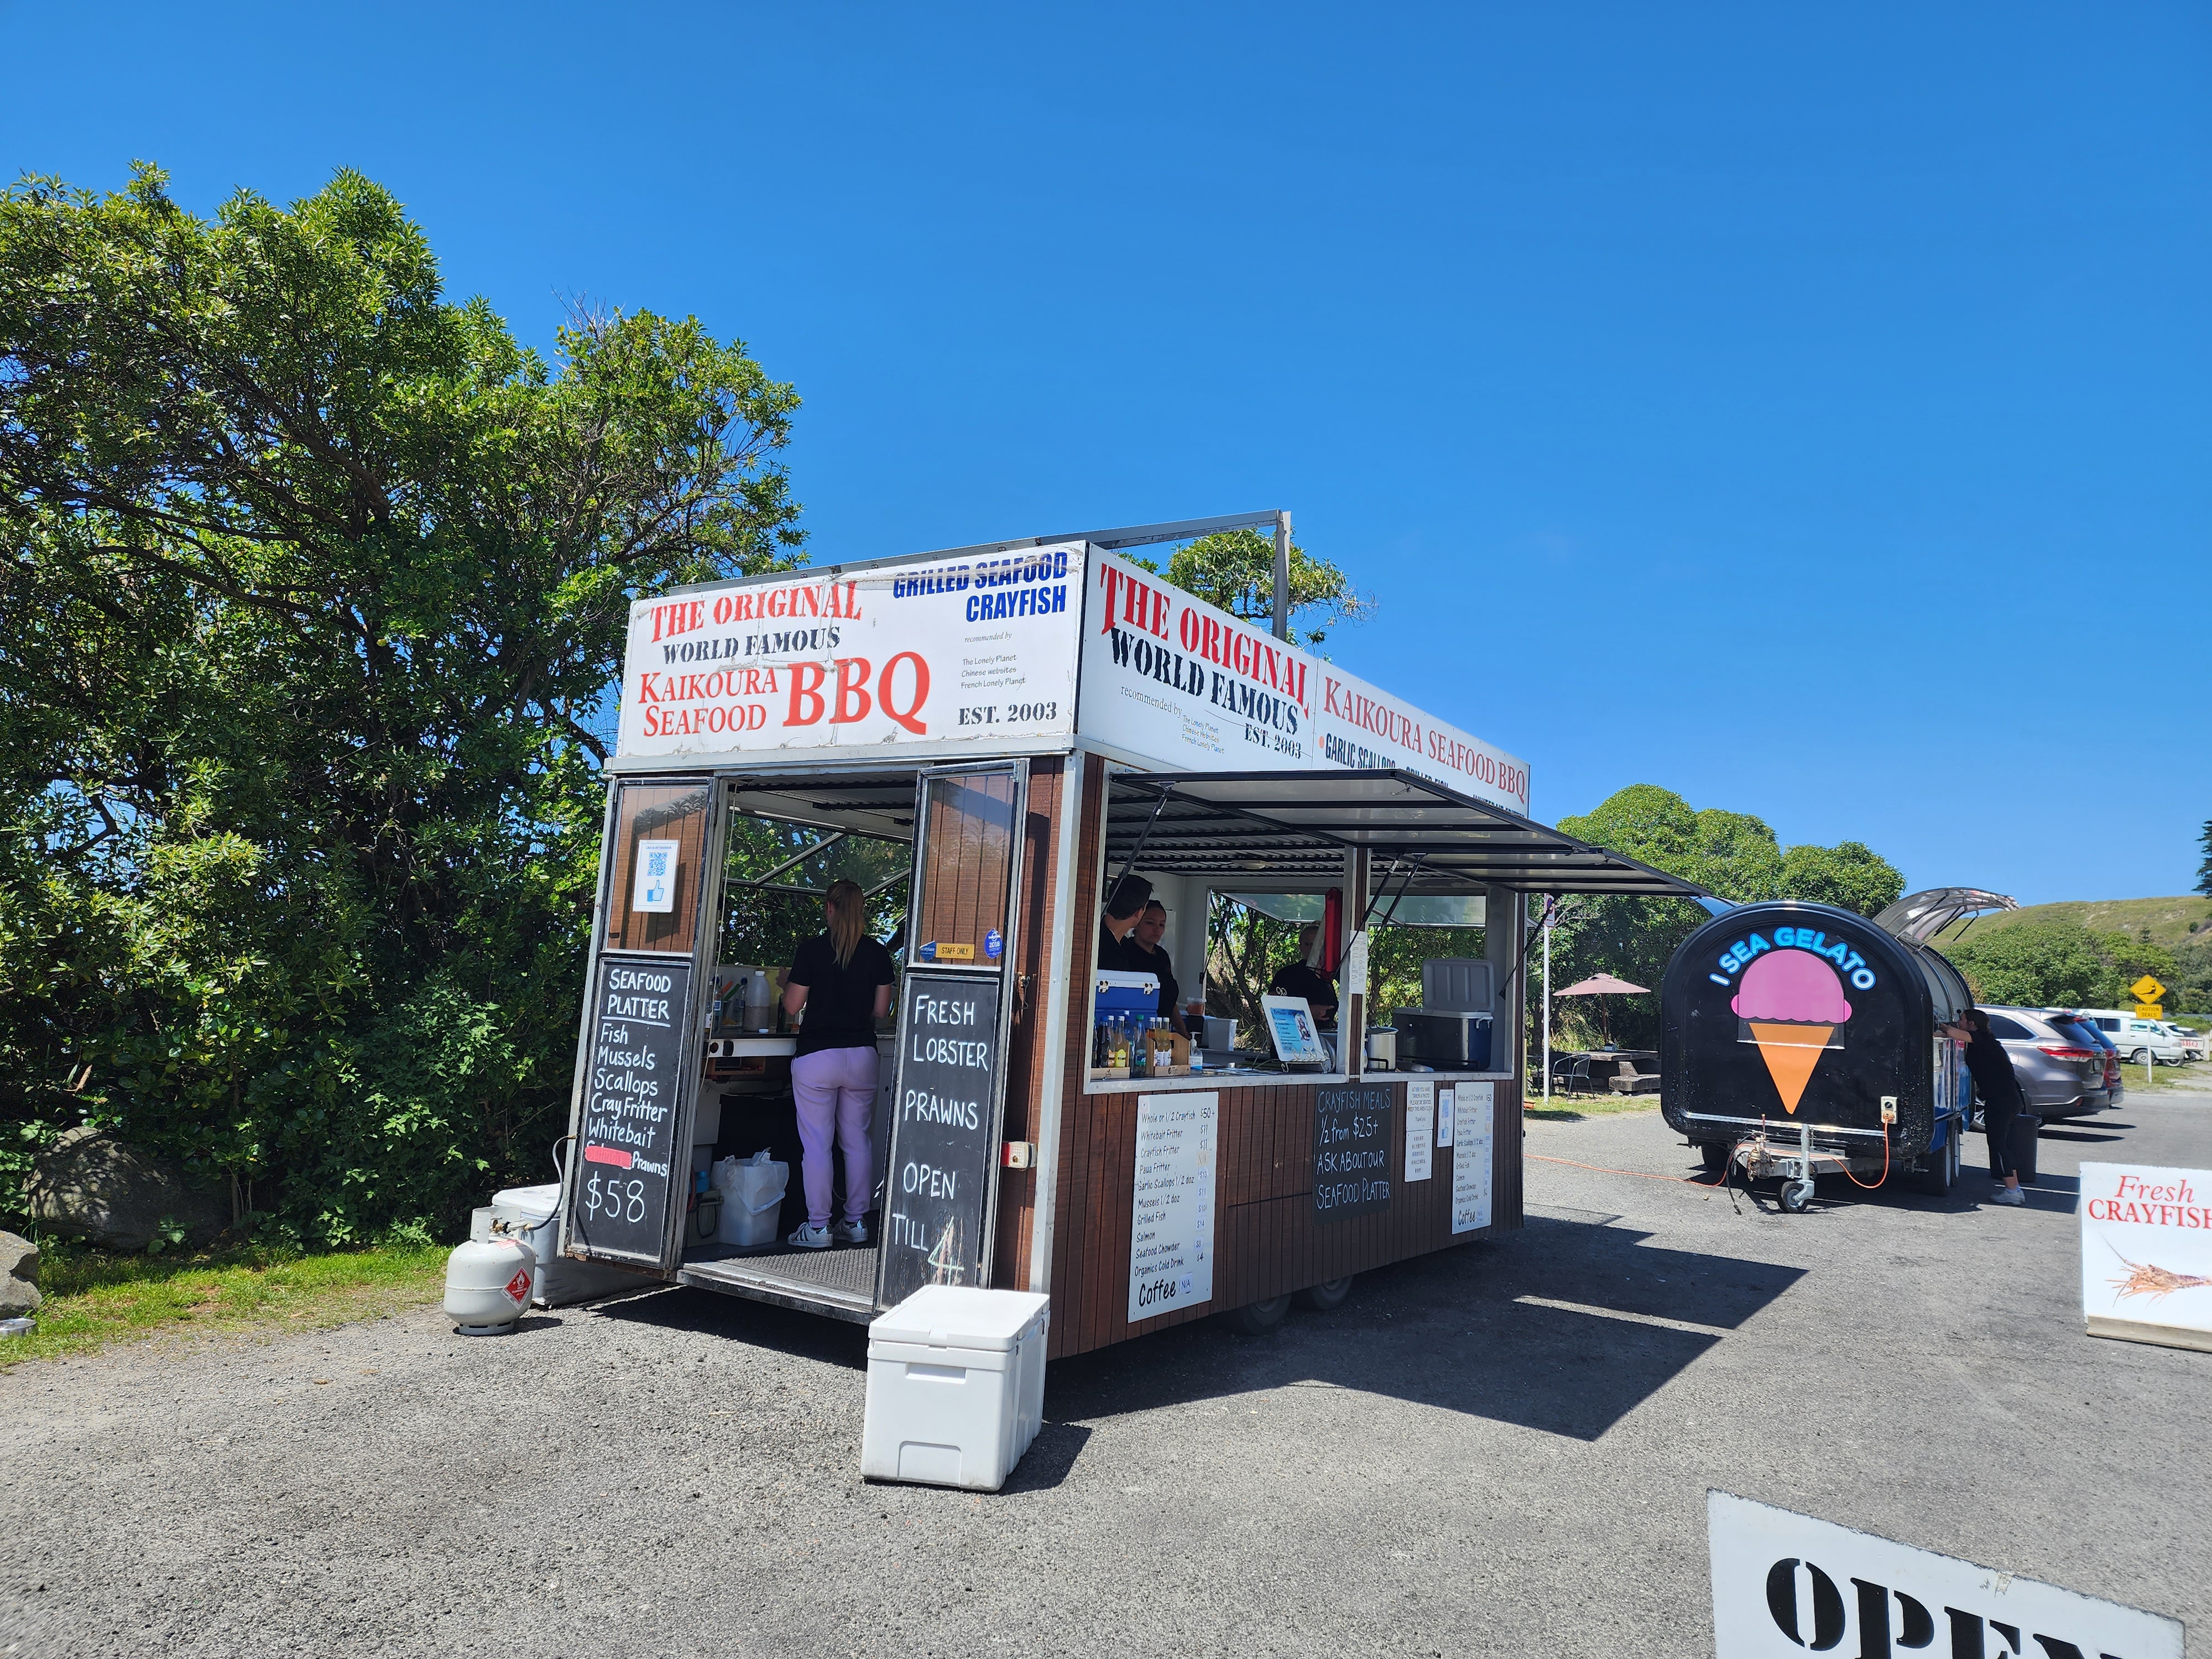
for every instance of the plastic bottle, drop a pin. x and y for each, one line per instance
(1140, 1059)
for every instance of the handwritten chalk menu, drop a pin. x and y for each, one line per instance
(1171, 1214)
(1352, 1150)
(1477, 1106)
(1420, 1124)
(944, 1134)
(623, 1191)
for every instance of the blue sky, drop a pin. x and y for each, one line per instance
(1807, 410)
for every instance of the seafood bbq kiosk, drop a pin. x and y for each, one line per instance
(986, 739)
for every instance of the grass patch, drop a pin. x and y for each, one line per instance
(1573, 1108)
(93, 1298)
(2138, 1080)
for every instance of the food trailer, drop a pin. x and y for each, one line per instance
(1798, 1040)
(985, 740)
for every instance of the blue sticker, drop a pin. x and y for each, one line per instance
(929, 951)
(993, 942)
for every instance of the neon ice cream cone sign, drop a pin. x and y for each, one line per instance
(1790, 997)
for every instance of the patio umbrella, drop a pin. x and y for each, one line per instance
(1604, 985)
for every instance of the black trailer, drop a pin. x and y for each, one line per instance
(1799, 1040)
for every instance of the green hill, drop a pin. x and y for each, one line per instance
(2173, 922)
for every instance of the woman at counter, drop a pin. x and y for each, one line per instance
(842, 981)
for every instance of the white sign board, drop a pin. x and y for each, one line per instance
(1420, 1123)
(654, 890)
(1444, 1117)
(971, 654)
(2146, 1252)
(1478, 1105)
(1788, 1584)
(1171, 1213)
(1171, 679)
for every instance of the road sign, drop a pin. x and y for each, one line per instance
(2151, 1011)
(2147, 989)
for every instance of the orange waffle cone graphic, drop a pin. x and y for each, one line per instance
(1791, 1053)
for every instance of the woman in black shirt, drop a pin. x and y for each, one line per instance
(1302, 979)
(842, 981)
(2001, 1101)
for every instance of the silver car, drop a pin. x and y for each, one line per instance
(2061, 1071)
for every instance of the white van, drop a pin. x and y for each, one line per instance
(2137, 1039)
(2193, 1043)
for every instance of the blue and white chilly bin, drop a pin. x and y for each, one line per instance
(955, 1387)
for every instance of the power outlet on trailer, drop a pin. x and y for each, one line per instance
(1889, 1108)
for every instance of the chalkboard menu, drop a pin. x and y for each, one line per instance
(1352, 1150)
(627, 1170)
(945, 1133)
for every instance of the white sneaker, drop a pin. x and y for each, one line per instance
(2009, 1195)
(850, 1233)
(810, 1237)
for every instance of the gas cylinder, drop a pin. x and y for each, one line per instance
(487, 1284)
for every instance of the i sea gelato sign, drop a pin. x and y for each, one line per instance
(1790, 999)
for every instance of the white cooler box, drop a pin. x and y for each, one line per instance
(955, 1387)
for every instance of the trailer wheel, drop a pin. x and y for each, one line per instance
(1937, 1181)
(1796, 1195)
(1329, 1293)
(1260, 1318)
(1713, 1155)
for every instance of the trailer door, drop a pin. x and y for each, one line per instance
(940, 1193)
(628, 1174)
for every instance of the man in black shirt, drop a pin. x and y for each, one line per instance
(2001, 1101)
(1142, 953)
(1123, 906)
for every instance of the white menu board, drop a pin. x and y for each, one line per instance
(1171, 1218)
(1477, 1106)
(1420, 1124)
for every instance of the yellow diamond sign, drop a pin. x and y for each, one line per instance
(2147, 989)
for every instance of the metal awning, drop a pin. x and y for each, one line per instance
(1230, 826)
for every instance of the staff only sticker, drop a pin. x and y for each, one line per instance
(1786, 1584)
(2146, 1253)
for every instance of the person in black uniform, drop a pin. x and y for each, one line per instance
(1124, 905)
(1302, 979)
(1142, 953)
(2001, 1101)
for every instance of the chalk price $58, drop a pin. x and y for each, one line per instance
(621, 1201)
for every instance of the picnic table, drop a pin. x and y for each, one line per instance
(1600, 1071)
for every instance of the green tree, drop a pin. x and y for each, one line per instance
(1235, 571)
(316, 580)
(1850, 875)
(2033, 964)
(2204, 867)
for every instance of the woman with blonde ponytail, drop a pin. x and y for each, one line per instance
(842, 981)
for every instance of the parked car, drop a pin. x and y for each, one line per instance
(2090, 1028)
(2192, 1043)
(2060, 1067)
(2137, 1039)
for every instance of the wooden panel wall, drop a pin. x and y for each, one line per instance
(1267, 1241)
(658, 811)
(971, 825)
(1026, 1059)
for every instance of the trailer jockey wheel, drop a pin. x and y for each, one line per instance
(1795, 1195)
(1329, 1293)
(1259, 1318)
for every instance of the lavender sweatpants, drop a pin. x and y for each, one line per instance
(835, 1091)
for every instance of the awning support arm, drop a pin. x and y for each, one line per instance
(1138, 851)
(1411, 870)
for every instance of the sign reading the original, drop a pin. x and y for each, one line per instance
(1477, 1106)
(955, 654)
(1171, 1211)
(1352, 1150)
(1171, 679)
(1420, 1124)
(944, 1134)
(2146, 1252)
(623, 1189)
(1787, 1584)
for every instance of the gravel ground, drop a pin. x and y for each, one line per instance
(1501, 1449)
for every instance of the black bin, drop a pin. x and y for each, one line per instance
(2025, 1126)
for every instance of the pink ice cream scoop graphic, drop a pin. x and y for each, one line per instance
(1793, 1001)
